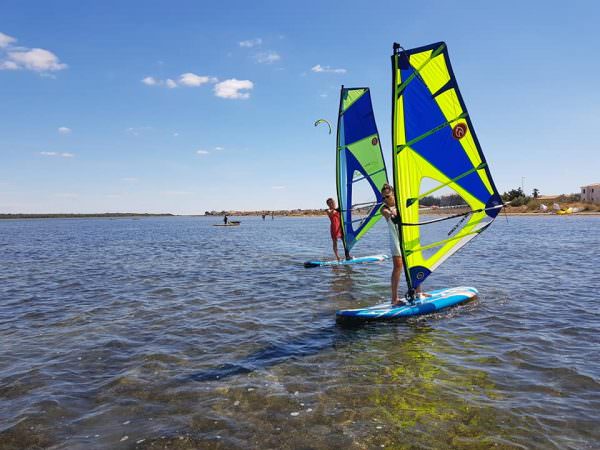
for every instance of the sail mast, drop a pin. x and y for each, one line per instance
(338, 175)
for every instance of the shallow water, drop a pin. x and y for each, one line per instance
(171, 333)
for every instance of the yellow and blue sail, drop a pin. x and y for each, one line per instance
(358, 158)
(433, 137)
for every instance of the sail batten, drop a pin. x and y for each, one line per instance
(430, 132)
(444, 241)
(443, 185)
(433, 138)
(368, 175)
(365, 138)
(359, 160)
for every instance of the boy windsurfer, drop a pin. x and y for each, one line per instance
(335, 229)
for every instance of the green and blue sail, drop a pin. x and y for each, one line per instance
(358, 158)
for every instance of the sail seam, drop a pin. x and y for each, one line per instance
(445, 241)
(371, 136)
(368, 175)
(415, 73)
(430, 132)
(435, 167)
(411, 200)
(342, 111)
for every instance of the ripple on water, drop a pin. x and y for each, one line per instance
(171, 333)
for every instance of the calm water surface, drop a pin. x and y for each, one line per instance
(171, 333)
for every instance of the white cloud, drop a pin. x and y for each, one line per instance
(175, 134)
(67, 195)
(219, 148)
(8, 65)
(58, 154)
(251, 43)
(36, 59)
(190, 79)
(268, 57)
(6, 40)
(232, 89)
(136, 131)
(150, 81)
(202, 152)
(277, 188)
(64, 130)
(130, 179)
(176, 193)
(326, 69)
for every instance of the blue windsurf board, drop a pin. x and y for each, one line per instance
(440, 299)
(344, 262)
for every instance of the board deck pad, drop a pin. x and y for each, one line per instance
(345, 262)
(440, 299)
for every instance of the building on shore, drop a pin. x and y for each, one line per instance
(591, 193)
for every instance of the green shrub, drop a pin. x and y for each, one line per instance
(519, 201)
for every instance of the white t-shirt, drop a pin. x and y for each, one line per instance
(394, 236)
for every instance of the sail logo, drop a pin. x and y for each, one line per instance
(374, 141)
(459, 131)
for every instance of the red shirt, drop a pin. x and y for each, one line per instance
(336, 225)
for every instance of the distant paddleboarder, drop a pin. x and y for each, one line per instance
(225, 219)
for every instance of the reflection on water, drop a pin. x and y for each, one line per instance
(171, 333)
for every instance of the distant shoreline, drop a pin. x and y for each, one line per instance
(279, 214)
(541, 214)
(81, 216)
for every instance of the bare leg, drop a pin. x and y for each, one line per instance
(420, 293)
(396, 272)
(335, 249)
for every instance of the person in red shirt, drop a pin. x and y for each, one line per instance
(333, 213)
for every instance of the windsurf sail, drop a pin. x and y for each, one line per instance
(434, 144)
(360, 167)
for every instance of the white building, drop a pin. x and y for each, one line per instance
(591, 193)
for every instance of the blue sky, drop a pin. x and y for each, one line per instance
(190, 106)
